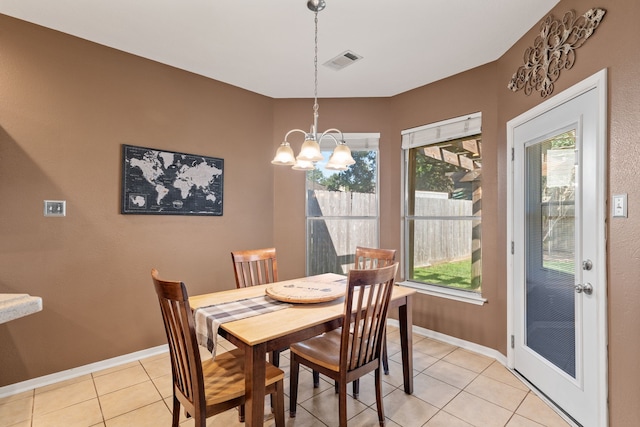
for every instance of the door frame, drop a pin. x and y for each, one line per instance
(598, 81)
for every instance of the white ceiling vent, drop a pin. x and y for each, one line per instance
(344, 59)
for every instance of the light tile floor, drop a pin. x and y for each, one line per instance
(452, 388)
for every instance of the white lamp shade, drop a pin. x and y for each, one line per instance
(284, 155)
(310, 151)
(303, 165)
(340, 158)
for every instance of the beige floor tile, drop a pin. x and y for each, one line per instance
(305, 386)
(443, 419)
(15, 411)
(303, 419)
(451, 374)
(520, 421)
(128, 399)
(26, 423)
(407, 410)
(368, 418)
(98, 425)
(164, 384)
(17, 396)
(433, 348)
(471, 361)
(497, 371)
(157, 367)
(421, 361)
(496, 392)
(63, 397)
(83, 414)
(120, 379)
(434, 391)
(396, 376)
(477, 412)
(325, 407)
(537, 410)
(63, 383)
(153, 415)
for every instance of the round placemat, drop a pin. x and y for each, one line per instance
(306, 292)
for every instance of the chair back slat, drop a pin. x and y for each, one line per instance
(368, 258)
(179, 326)
(366, 307)
(255, 267)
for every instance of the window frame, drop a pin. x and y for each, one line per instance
(356, 142)
(430, 134)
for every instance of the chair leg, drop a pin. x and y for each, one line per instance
(241, 413)
(385, 358)
(176, 412)
(275, 358)
(294, 370)
(342, 404)
(279, 404)
(356, 388)
(316, 379)
(378, 381)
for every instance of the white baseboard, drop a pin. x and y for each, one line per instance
(34, 383)
(467, 345)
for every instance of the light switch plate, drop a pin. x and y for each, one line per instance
(55, 208)
(619, 205)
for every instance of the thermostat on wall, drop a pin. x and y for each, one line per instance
(55, 207)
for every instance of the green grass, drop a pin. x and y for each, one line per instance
(453, 274)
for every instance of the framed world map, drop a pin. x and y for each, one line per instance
(169, 183)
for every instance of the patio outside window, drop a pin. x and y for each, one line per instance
(443, 204)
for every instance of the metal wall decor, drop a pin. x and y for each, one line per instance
(554, 50)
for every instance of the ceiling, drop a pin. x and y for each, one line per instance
(267, 46)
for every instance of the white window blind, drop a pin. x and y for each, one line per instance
(446, 130)
(355, 141)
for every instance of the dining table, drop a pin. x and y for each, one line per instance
(260, 334)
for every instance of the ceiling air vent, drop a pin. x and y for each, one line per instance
(344, 59)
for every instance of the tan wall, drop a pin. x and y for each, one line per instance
(65, 101)
(66, 107)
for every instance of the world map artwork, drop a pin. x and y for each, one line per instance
(170, 183)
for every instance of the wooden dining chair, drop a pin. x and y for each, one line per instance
(256, 267)
(205, 388)
(365, 259)
(356, 350)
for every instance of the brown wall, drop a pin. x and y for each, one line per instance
(67, 105)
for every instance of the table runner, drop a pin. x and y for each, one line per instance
(208, 319)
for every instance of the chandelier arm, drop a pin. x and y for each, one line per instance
(326, 133)
(292, 131)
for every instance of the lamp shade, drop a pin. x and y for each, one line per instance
(303, 165)
(340, 158)
(284, 155)
(310, 151)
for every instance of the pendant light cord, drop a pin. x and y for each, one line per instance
(315, 67)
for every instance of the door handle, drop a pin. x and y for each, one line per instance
(586, 288)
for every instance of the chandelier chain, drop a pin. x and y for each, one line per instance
(315, 66)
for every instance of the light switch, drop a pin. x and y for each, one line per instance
(55, 208)
(620, 205)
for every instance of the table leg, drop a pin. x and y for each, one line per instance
(254, 362)
(405, 314)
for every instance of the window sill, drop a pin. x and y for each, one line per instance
(438, 291)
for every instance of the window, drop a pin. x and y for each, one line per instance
(342, 207)
(443, 205)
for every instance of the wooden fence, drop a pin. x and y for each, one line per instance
(333, 240)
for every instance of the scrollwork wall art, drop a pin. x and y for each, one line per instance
(554, 50)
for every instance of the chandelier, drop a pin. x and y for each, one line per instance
(310, 151)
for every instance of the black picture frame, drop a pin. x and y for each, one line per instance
(162, 182)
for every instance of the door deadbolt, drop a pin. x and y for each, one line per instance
(586, 288)
(587, 265)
